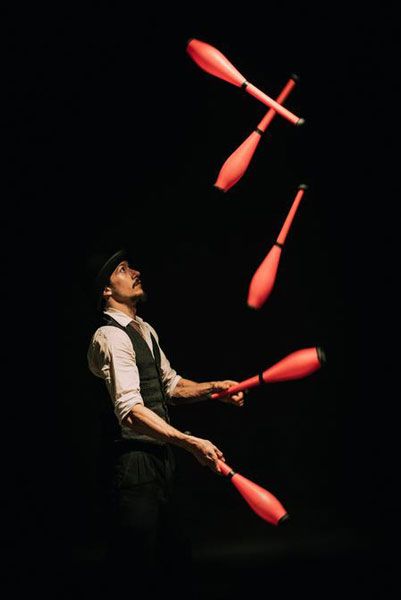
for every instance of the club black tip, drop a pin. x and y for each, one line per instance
(303, 186)
(219, 188)
(300, 122)
(321, 355)
(294, 77)
(253, 309)
(284, 519)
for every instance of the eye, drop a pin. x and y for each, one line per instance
(123, 269)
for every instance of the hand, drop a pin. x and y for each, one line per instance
(237, 399)
(205, 452)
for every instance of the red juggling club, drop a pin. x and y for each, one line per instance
(238, 162)
(212, 61)
(296, 365)
(264, 278)
(260, 500)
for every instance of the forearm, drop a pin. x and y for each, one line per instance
(187, 392)
(144, 420)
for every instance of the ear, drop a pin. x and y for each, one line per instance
(107, 292)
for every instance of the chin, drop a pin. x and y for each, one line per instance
(142, 297)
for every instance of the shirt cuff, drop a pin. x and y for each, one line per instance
(123, 406)
(172, 385)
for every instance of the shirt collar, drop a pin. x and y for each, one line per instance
(120, 317)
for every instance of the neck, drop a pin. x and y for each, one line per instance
(128, 309)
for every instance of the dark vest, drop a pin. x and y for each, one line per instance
(152, 389)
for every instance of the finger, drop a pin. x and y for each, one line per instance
(212, 456)
(212, 461)
(225, 385)
(218, 457)
(219, 453)
(236, 401)
(217, 468)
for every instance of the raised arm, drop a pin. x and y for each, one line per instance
(184, 391)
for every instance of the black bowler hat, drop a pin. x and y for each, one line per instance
(102, 267)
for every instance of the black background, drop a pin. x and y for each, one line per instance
(119, 139)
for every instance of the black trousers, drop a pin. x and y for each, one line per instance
(148, 550)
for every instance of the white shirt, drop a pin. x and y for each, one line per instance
(111, 356)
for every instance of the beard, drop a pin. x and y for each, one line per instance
(142, 297)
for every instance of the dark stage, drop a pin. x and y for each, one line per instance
(120, 137)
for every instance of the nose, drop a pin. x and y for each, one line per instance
(134, 273)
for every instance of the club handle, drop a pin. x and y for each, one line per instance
(225, 469)
(296, 365)
(239, 387)
(262, 97)
(291, 214)
(262, 126)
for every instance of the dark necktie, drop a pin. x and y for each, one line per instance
(135, 325)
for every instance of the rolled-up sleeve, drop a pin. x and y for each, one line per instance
(111, 356)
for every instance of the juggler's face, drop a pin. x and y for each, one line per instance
(125, 284)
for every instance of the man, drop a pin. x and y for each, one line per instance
(141, 382)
